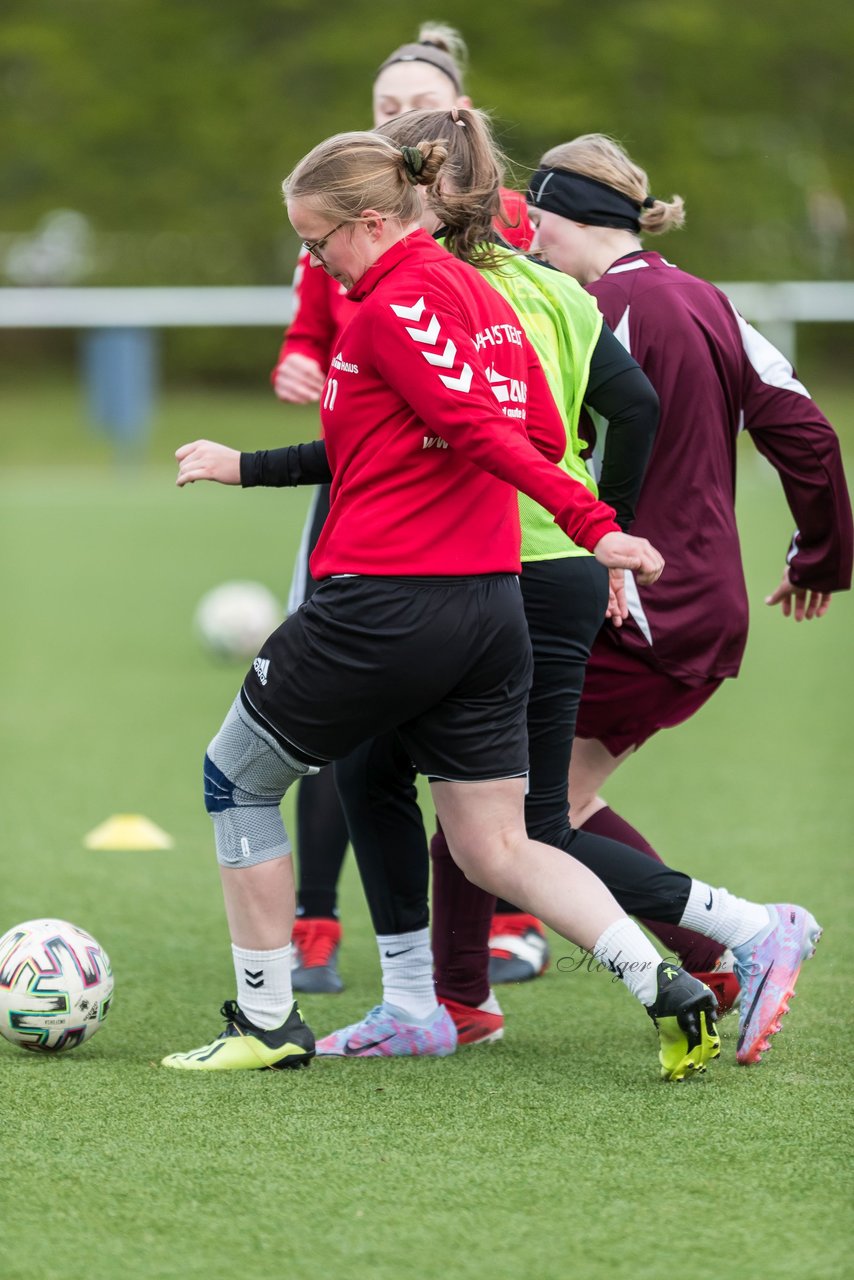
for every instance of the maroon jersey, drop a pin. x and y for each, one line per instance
(716, 375)
(431, 411)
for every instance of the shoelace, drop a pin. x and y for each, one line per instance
(231, 1012)
(315, 948)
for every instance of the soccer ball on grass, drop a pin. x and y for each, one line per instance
(56, 985)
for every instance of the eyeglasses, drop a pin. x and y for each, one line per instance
(315, 247)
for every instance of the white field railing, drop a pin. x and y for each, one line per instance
(144, 308)
(776, 308)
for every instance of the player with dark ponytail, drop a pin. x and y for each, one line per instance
(428, 72)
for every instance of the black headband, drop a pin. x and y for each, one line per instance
(424, 51)
(582, 199)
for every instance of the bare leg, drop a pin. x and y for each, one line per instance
(260, 904)
(485, 829)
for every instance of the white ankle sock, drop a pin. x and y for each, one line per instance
(718, 914)
(407, 965)
(627, 952)
(264, 990)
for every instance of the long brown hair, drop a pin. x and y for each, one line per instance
(468, 198)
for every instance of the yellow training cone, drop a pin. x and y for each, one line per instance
(128, 831)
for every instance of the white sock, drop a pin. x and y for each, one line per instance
(264, 990)
(721, 915)
(628, 953)
(407, 965)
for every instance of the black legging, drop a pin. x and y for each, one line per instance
(565, 602)
(376, 786)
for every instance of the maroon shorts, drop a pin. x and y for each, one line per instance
(625, 701)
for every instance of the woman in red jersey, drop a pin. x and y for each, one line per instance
(715, 375)
(427, 73)
(418, 622)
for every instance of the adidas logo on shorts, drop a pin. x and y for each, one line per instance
(261, 667)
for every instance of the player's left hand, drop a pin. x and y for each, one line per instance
(207, 460)
(799, 601)
(617, 606)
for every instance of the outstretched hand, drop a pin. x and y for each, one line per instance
(799, 600)
(207, 460)
(624, 551)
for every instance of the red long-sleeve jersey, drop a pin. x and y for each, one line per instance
(431, 411)
(321, 305)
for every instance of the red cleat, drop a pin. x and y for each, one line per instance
(724, 983)
(480, 1025)
(315, 950)
(518, 950)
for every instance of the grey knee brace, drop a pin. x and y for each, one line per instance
(246, 775)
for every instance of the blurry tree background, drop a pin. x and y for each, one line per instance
(163, 128)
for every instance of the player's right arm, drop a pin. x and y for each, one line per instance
(790, 430)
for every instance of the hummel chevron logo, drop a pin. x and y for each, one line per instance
(261, 666)
(429, 337)
(446, 359)
(430, 334)
(254, 980)
(462, 383)
(410, 313)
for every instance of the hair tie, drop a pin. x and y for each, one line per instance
(413, 163)
(648, 202)
(455, 116)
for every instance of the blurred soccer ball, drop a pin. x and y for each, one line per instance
(56, 985)
(234, 620)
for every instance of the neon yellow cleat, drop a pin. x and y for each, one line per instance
(245, 1047)
(685, 1014)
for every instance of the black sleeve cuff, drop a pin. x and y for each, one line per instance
(295, 464)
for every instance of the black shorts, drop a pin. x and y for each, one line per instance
(445, 661)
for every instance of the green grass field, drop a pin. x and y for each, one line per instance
(554, 1153)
